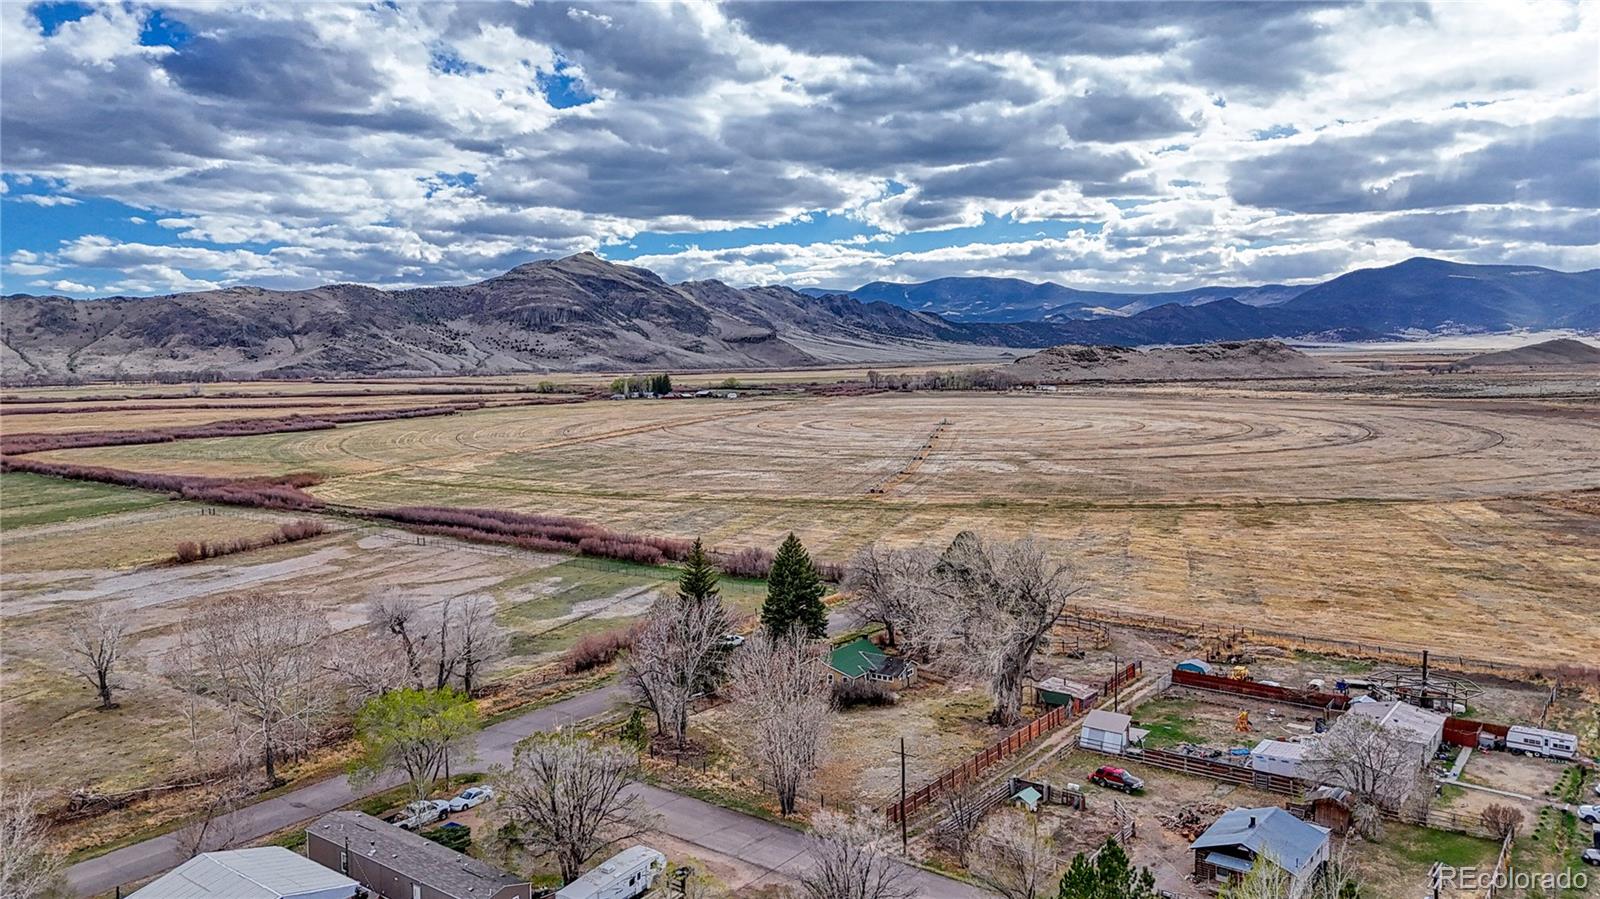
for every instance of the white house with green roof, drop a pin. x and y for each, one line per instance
(861, 659)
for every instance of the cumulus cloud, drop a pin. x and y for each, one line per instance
(295, 144)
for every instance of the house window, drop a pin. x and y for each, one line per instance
(416, 891)
(344, 862)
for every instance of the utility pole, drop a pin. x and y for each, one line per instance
(903, 850)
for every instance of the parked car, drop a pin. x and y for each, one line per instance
(731, 641)
(1116, 779)
(1591, 856)
(426, 811)
(1589, 813)
(472, 797)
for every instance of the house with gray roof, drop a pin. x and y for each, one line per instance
(268, 872)
(397, 864)
(1246, 837)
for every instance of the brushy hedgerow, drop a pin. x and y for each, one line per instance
(194, 551)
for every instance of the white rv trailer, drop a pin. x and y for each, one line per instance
(1537, 742)
(625, 875)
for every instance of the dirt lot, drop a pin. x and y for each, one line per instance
(1443, 518)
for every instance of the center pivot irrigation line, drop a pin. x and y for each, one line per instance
(910, 468)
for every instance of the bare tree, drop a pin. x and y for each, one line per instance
(676, 657)
(781, 688)
(401, 617)
(565, 796)
(895, 587)
(1015, 859)
(852, 859)
(482, 642)
(1377, 763)
(365, 665)
(963, 813)
(215, 827)
(29, 865)
(94, 646)
(1008, 596)
(1501, 820)
(259, 654)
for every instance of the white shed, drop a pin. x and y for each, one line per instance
(1110, 732)
(1280, 757)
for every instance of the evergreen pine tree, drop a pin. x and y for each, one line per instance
(794, 593)
(698, 583)
(1109, 876)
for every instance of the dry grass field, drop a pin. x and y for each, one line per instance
(1435, 522)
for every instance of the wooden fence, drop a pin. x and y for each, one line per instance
(974, 766)
(1306, 699)
(1220, 770)
(1332, 646)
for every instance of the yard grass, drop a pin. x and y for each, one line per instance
(1170, 722)
(28, 500)
(1424, 846)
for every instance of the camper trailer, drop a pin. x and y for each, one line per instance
(625, 875)
(1541, 743)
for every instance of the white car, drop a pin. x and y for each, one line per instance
(417, 814)
(1591, 856)
(472, 797)
(1589, 813)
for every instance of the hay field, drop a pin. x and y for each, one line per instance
(1421, 521)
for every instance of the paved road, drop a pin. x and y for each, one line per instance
(781, 850)
(153, 856)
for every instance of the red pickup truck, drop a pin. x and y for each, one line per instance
(1116, 779)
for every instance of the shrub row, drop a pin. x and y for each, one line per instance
(755, 563)
(18, 444)
(596, 650)
(194, 551)
(542, 533)
(284, 492)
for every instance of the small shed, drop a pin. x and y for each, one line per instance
(1193, 666)
(1110, 732)
(1328, 807)
(1058, 691)
(861, 659)
(1280, 757)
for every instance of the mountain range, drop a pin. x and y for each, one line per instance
(582, 312)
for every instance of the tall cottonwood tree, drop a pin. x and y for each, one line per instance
(259, 655)
(677, 654)
(565, 796)
(1004, 598)
(94, 646)
(794, 593)
(852, 859)
(780, 686)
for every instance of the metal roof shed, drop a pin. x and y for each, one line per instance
(268, 872)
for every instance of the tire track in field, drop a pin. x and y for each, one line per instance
(481, 452)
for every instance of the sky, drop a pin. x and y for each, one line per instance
(150, 149)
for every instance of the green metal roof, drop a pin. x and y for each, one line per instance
(856, 658)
